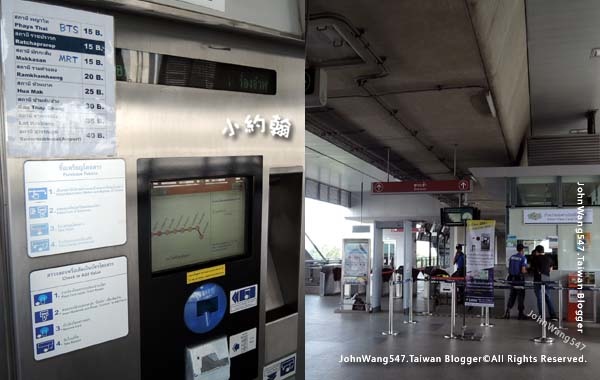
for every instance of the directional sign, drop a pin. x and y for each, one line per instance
(449, 186)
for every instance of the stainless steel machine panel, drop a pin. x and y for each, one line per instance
(159, 121)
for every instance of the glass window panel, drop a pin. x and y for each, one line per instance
(590, 186)
(537, 191)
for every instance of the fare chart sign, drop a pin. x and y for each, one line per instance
(59, 81)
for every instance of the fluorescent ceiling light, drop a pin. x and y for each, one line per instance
(490, 103)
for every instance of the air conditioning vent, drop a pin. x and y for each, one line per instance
(564, 150)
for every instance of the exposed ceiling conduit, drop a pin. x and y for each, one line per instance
(341, 23)
(413, 132)
(414, 91)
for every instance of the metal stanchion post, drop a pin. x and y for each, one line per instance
(391, 312)
(560, 306)
(410, 303)
(452, 312)
(543, 338)
(486, 317)
(428, 312)
(427, 307)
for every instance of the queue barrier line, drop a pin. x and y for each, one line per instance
(506, 284)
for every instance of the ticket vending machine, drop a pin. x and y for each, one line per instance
(199, 231)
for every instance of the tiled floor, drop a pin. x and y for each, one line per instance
(330, 335)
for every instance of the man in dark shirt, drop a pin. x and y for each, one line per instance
(540, 266)
(517, 267)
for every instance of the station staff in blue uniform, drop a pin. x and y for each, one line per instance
(459, 261)
(517, 267)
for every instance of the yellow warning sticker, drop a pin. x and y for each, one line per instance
(205, 274)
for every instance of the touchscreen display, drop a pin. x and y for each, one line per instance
(197, 220)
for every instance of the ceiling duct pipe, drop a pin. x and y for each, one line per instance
(591, 122)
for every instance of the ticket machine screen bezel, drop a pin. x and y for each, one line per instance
(164, 334)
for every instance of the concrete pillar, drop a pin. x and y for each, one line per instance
(409, 261)
(376, 266)
(457, 236)
(500, 248)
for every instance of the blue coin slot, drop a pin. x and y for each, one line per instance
(205, 308)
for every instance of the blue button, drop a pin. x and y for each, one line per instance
(205, 308)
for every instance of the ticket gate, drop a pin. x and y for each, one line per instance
(151, 200)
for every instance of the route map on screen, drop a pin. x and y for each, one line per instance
(196, 221)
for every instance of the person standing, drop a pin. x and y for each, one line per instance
(541, 265)
(459, 261)
(517, 267)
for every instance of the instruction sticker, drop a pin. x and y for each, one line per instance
(242, 343)
(74, 205)
(78, 306)
(59, 81)
(205, 274)
(242, 299)
(281, 369)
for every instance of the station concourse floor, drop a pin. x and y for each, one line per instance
(330, 335)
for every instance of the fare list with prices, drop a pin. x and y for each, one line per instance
(59, 81)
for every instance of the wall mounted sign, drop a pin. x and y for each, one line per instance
(558, 216)
(59, 81)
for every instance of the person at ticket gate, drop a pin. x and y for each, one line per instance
(459, 261)
(517, 267)
(541, 266)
